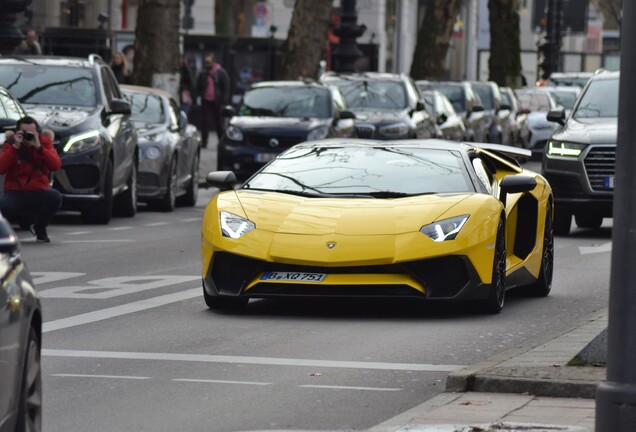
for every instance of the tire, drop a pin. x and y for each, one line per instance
(543, 286)
(168, 202)
(192, 193)
(30, 402)
(102, 211)
(221, 303)
(496, 299)
(562, 223)
(126, 204)
(585, 220)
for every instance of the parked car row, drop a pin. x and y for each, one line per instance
(112, 156)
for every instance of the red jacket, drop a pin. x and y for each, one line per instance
(24, 175)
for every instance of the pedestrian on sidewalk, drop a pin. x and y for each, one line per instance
(27, 160)
(186, 86)
(120, 68)
(213, 87)
(30, 44)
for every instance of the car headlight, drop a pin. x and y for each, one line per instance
(562, 148)
(446, 229)
(234, 226)
(234, 133)
(318, 133)
(152, 152)
(82, 142)
(394, 130)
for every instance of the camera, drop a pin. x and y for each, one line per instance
(29, 136)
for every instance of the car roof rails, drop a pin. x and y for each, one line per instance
(600, 71)
(93, 57)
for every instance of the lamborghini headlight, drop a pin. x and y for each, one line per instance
(82, 142)
(318, 133)
(446, 229)
(561, 148)
(234, 226)
(234, 133)
(394, 130)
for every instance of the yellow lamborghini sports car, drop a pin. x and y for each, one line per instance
(425, 219)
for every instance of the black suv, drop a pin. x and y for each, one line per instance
(579, 160)
(80, 101)
(387, 106)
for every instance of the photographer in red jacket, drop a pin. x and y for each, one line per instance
(27, 159)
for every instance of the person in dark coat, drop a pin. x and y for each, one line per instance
(186, 86)
(213, 87)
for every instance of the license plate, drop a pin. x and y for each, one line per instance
(264, 157)
(608, 182)
(294, 276)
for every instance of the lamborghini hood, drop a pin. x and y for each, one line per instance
(290, 214)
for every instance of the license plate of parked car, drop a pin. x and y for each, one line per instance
(608, 182)
(264, 157)
(294, 276)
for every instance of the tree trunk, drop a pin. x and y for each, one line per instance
(157, 54)
(433, 38)
(505, 51)
(306, 39)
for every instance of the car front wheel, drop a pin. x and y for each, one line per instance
(126, 204)
(192, 193)
(30, 402)
(543, 286)
(495, 301)
(102, 211)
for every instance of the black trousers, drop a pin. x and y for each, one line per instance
(210, 109)
(30, 207)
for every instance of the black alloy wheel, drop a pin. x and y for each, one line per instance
(126, 204)
(30, 402)
(495, 301)
(168, 202)
(562, 223)
(192, 192)
(102, 211)
(543, 286)
(587, 220)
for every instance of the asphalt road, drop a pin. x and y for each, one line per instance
(129, 344)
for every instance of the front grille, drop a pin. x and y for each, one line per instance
(365, 131)
(565, 185)
(145, 179)
(82, 176)
(266, 141)
(442, 277)
(600, 163)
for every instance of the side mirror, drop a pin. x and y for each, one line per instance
(419, 106)
(477, 108)
(441, 119)
(515, 184)
(505, 107)
(557, 115)
(223, 180)
(345, 115)
(183, 120)
(228, 111)
(8, 240)
(7, 123)
(119, 106)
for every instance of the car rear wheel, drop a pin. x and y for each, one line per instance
(30, 408)
(102, 211)
(588, 220)
(219, 302)
(126, 204)
(543, 286)
(192, 193)
(495, 301)
(562, 223)
(168, 202)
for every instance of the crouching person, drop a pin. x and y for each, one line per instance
(26, 161)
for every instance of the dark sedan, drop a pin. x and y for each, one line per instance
(275, 115)
(387, 106)
(20, 340)
(448, 125)
(169, 149)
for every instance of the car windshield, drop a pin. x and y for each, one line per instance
(455, 95)
(373, 93)
(485, 94)
(534, 101)
(505, 99)
(564, 98)
(146, 108)
(599, 100)
(286, 102)
(360, 171)
(49, 85)
(567, 81)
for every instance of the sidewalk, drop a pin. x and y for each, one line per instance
(529, 388)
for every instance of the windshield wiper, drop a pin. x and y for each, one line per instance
(392, 194)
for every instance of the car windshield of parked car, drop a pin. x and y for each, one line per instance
(455, 95)
(379, 172)
(564, 98)
(49, 85)
(485, 94)
(146, 108)
(599, 100)
(534, 101)
(373, 94)
(302, 102)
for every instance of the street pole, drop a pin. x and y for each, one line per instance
(616, 398)
(347, 52)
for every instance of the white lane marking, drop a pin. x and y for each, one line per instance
(586, 250)
(121, 228)
(96, 241)
(116, 311)
(101, 376)
(154, 224)
(191, 220)
(221, 381)
(78, 233)
(351, 388)
(271, 361)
